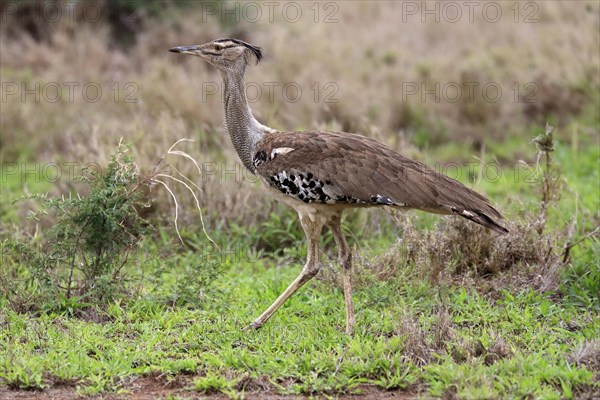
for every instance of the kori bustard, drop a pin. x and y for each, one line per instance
(321, 174)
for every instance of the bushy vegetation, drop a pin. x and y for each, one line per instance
(80, 260)
(101, 293)
(88, 254)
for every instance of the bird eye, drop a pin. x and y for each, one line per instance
(218, 46)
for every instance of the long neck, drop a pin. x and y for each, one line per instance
(244, 130)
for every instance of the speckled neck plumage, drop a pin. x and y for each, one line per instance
(245, 131)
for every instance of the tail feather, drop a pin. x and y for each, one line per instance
(482, 219)
(454, 197)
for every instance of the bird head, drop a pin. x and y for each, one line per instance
(224, 54)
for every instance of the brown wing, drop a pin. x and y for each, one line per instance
(329, 167)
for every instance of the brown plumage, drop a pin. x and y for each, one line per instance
(320, 174)
(356, 171)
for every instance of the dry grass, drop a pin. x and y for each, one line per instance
(421, 346)
(171, 105)
(459, 253)
(588, 354)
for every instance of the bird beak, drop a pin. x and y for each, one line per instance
(193, 50)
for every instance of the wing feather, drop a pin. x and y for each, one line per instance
(357, 169)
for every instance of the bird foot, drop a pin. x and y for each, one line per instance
(253, 326)
(349, 330)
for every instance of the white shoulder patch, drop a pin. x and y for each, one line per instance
(281, 150)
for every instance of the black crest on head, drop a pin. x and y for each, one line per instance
(254, 49)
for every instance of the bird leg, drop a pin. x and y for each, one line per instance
(345, 260)
(312, 229)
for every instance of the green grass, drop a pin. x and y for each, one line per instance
(184, 323)
(456, 338)
(302, 350)
(428, 329)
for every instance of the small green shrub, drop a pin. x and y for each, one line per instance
(80, 260)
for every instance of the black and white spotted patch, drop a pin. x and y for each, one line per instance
(309, 189)
(304, 187)
(259, 158)
(380, 199)
(386, 201)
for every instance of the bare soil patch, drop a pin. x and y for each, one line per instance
(151, 388)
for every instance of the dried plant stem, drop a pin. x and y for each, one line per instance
(195, 199)
(185, 181)
(184, 154)
(176, 206)
(545, 146)
(569, 246)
